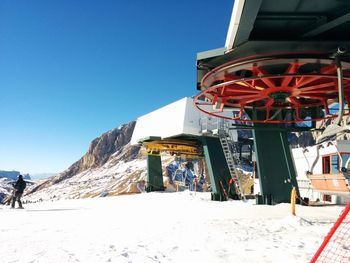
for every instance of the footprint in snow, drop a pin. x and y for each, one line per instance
(112, 247)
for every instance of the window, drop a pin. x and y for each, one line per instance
(331, 163)
(345, 158)
(335, 164)
(327, 198)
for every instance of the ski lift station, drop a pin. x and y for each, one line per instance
(283, 68)
(181, 129)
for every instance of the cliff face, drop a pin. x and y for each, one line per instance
(101, 150)
(109, 149)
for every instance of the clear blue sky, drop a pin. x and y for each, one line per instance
(71, 70)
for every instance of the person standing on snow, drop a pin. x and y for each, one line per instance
(19, 186)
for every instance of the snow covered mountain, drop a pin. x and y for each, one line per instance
(5, 188)
(106, 169)
(12, 175)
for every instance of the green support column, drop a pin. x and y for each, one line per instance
(154, 175)
(275, 165)
(218, 171)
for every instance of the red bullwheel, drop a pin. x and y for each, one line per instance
(283, 90)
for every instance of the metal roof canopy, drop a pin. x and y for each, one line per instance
(268, 27)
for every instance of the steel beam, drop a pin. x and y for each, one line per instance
(328, 26)
(218, 171)
(154, 175)
(275, 166)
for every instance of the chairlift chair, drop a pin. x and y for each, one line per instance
(331, 181)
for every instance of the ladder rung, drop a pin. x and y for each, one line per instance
(231, 160)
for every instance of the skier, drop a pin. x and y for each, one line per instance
(19, 187)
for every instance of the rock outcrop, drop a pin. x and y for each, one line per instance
(101, 150)
(111, 147)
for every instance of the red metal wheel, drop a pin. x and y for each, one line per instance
(283, 90)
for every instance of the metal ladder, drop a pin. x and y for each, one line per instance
(232, 161)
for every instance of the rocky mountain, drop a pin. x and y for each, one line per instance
(301, 139)
(102, 149)
(96, 171)
(13, 175)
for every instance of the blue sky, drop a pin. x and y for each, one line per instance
(71, 70)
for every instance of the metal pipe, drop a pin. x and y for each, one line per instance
(340, 51)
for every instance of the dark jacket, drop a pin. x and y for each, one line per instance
(20, 185)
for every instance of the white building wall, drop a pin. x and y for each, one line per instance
(192, 118)
(343, 146)
(303, 162)
(163, 122)
(177, 118)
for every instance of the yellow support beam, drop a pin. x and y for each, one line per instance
(179, 147)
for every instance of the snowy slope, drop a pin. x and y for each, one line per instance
(113, 178)
(161, 227)
(5, 188)
(95, 182)
(109, 167)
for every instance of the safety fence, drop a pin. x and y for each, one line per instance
(336, 245)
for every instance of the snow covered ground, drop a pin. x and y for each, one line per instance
(161, 227)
